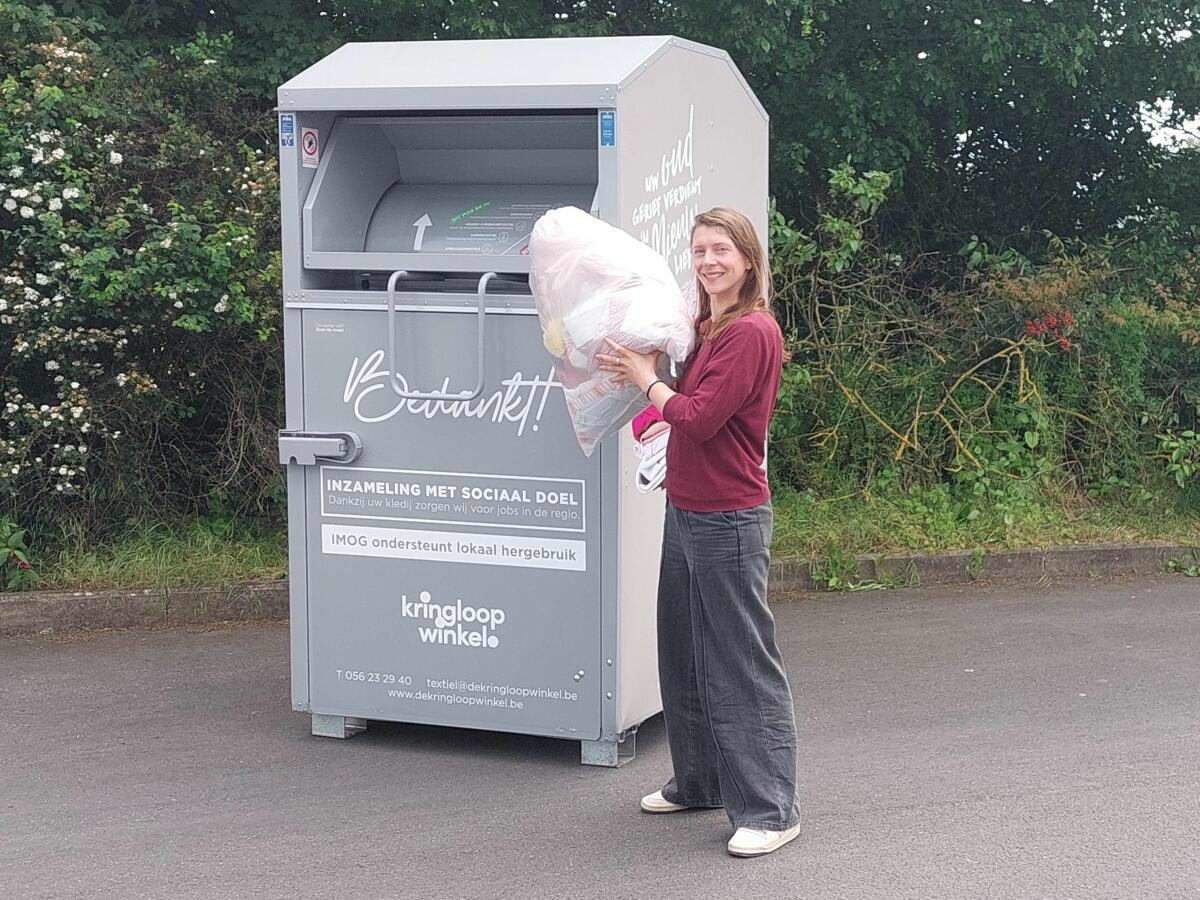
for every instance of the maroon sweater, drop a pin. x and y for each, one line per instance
(719, 417)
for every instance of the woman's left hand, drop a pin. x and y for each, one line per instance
(628, 366)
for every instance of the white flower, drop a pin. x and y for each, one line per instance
(62, 470)
(20, 193)
(109, 138)
(16, 470)
(115, 158)
(121, 379)
(26, 212)
(74, 385)
(16, 172)
(41, 279)
(3, 304)
(179, 304)
(58, 153)
(39, 155)
(10, 204)
(221, 306)
(51, 366)
(70, 193)
(166, 243)
(76, 411)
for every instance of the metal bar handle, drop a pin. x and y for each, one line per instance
(481, 313)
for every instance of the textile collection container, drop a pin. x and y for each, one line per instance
(455, 559)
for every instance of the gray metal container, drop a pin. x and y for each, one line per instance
(454, 557)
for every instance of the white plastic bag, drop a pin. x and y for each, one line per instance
(592, 281)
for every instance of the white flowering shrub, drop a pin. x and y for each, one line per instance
(138, 276)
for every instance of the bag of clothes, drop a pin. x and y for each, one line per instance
(592, 281)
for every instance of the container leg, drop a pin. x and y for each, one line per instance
(337, 726)
(611, 753)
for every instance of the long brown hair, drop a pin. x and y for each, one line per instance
(756, 291)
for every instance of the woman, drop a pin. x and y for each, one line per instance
(726, 701)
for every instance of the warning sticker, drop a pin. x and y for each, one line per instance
(310, 148)
(608, 129)
(287, 130)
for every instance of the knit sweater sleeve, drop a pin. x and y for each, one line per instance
(729, 378)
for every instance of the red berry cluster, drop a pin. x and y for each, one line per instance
(1053, 325)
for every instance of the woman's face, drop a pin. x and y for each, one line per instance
(719, 264)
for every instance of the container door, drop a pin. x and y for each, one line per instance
(454, 567)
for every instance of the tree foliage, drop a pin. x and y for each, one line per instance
(1000, 120)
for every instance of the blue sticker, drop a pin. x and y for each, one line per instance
(287, 130)
(608, 129)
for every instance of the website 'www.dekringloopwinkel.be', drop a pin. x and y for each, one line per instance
(453, 692)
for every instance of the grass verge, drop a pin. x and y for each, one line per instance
(187, 555)
(807, 527)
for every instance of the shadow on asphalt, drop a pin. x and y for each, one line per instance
(492, 746)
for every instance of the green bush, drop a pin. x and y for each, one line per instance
(984, 385)
(139, 275)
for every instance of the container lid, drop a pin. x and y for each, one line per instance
(526, 73)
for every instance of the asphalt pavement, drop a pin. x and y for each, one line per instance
(998, 742)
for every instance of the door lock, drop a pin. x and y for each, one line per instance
(307, 448)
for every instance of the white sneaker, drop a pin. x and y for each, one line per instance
(657, 803)
(759, 841)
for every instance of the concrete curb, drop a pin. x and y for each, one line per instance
(45, 612)
(52, 612)
(1077, 562)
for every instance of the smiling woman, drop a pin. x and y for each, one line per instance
(726, 699)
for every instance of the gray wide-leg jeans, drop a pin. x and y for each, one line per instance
(730, 721)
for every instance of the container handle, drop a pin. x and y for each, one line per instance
(481, 313)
